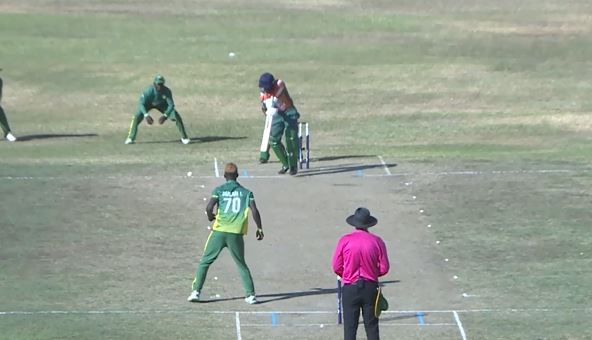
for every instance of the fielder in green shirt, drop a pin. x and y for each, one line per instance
(156, 96)
(234, 202)
(3, 121)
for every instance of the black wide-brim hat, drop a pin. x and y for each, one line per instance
(362, 219)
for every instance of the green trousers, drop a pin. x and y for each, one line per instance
(139, 117)
(287, 123)
(217, 241)
(4, 122)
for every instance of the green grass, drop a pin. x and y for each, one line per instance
(446, 86)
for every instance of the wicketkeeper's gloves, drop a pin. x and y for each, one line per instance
(259, 234)
(149, 120)
(162, 119)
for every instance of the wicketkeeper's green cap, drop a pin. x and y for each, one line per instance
(159, 79)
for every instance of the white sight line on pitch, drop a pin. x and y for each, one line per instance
(460, 326)
(179, 311)
(404, 174)
(216, 171)
(382, 323)
(386, 169)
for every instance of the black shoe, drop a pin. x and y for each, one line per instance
(283, 171)
(262, 161)
(293, 171)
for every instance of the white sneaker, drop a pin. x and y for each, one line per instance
(194, 297)
(10, 137)
(185, 141)
(251, 300)
(129, 141)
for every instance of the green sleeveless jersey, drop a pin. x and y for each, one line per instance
(233, 208)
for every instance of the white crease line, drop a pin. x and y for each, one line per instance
(238, 326)
(191, 311)
(460, 326)
(382, 323)
(386, 169)
(304, 174)
(216, 171)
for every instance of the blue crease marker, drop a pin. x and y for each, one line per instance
(360, 173)
(273, 319)
(420, 319)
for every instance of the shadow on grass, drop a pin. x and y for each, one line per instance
(400, 317)
(266, 298)
(54, 135)
(313, 291)
(334, 169)
(334, 158)
(205, 139)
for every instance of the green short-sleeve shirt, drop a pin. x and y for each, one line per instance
(233, 208)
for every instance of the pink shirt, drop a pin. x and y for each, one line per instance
(360, 254)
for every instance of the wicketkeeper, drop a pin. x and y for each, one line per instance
(156, 96)
(274, 95)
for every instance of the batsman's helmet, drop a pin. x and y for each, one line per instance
(159, 80)
(266, 81)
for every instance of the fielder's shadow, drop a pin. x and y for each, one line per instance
(281, 296)
(313, 291)
(341, 168)
(266, 298)
(54, 135)
(205, 139)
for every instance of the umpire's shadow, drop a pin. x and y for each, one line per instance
(54, 135)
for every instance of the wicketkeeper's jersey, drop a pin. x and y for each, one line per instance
(233, 208)
(280, 92)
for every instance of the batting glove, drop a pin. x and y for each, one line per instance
(149, 120)
(162, 119)
(259, 234)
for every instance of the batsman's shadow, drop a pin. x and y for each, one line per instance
(55, 135)
(334, 158)
(341, 168)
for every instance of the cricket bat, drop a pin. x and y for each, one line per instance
(271, 111)
(266, 132)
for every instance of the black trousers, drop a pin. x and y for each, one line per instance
(356, 296)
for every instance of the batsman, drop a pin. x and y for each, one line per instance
(156, 96)
(282, 116)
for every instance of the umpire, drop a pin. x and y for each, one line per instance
(360, 259)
